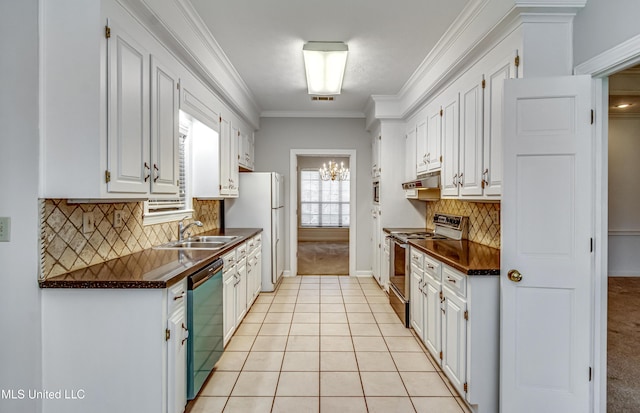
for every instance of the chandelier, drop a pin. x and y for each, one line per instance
(333, 172)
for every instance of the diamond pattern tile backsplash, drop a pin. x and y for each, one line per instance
(483, 228)
(65, 247)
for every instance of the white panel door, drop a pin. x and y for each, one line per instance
(128, 114)
(547, 214)
(164, 129)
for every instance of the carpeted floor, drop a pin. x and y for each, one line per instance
(623, 345)
(323, 258)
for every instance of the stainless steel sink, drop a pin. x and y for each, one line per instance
(200, 243)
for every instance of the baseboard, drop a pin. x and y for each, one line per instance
(364, 273)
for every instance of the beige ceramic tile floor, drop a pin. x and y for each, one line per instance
(325, 344)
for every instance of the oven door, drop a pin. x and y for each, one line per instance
(399, 280)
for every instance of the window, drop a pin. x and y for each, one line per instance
(323, 203)
(168, 208)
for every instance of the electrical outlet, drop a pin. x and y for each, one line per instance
(5, 229)
(88, 222)
(118, 218)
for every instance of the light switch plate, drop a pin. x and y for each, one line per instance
(5, 229)
(88, 222)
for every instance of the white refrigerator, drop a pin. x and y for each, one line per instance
(261, 205)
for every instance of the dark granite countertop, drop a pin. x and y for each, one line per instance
(151, 268)
(465, 256)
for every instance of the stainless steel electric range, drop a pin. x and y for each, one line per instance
(447, 227)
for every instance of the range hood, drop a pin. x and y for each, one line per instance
(425, 188)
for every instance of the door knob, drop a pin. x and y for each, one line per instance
(515, 276)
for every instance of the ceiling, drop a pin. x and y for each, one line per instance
(387, 42)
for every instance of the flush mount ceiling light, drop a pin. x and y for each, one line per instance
(324, 64)
(622, 105)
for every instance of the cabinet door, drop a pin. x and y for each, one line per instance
(375, 242)
(434, 140)
(375, 152)
(384, 278)
(492, 172)
(251, 279)
(177, 363)
(450, 146)
(241, 290)
(432, 317)
(410, 154)
(470, 150)
(422, 155)
(164, 129)
(416, 301)
(227, 159)
(234, 157)
(454, 339)
(128, 161)
(258, 272)
(229, 301)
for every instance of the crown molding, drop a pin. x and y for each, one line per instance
(481, 25)
(620, 57)
(347, 114)
(183, 31)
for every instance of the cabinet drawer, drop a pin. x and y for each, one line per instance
(417, 258)
(176, 297)
(432, 268)
(454, 281)
(229, 259)
(241, 251)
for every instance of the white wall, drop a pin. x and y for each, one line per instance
(624, 196)
(20, 322)
(277, 136)
(603, 24)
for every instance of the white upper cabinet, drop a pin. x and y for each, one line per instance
(128, 160)
(229, 177)
(246, 152)
(375, 155)
(165, 122)
(492, 163)
(434, 138)
(422, 155)
(450, 124)
(470, 149)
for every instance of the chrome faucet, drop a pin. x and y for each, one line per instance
(182, 228)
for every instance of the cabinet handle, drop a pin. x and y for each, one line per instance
(185, 334)
(451, 280)
(178, 297)
(461, 180)
(431, 267)
(155, 168)
(455, 180)
(146, 166)
(485, 178)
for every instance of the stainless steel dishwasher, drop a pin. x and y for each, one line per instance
(204, 320)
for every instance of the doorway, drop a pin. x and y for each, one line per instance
(348, 214)
(323, 219)
(623, 295)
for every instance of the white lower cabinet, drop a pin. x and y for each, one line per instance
(241, 279)
(457, 318)
(177, 348)
(125, 349)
